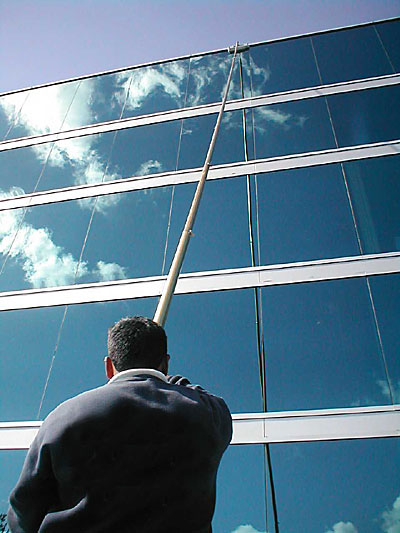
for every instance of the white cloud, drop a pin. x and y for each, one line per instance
(247, 529)
(109, 271)
(145, 81)
(343, 527)
(45, 263)
(384, 386)
(149, 167)
(391, 519)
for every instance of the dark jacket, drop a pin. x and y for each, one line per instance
(136, 455)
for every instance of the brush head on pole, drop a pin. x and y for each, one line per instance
(240, 48)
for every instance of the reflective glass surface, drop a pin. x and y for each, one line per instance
(10, 467)
(283, 66)
(292, 128)
(322, 349)
(126, 239)
(374, 186)
(338, 487)
(70, 105)
(369, 116)
(350, 55)
(208, 77)
(304, 214)
(386, 294)
(92, 159)
(389, 32)
(240, 491)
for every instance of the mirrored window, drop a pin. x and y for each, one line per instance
(292, 128)
(208, 78)
(91, 159)
(368, 116)
(240, 491)
(350, 54)
(74, 104)
(126, 239)
(11, 462)
(304, 215)
(375, 192)
(386, 294)
(389, 32)
(355, 483)
(282, 66)
(322, 349)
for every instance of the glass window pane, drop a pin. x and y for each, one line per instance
(291, 128)
(375, 192)
(389, 32)
(338, 487)
(322, 349)
(304, 215)
(70, 105)
(126, 240)
(208, 77)
(386, 294)
(367, 116)
(350, 54)
(11, 462)
(240, 491)
(283, 66)
(92, 159)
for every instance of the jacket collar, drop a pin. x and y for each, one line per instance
(132, 372)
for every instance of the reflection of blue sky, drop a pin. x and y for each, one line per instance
(321, 344)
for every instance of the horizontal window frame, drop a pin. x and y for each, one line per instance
(225, 171)
(268, 428)
(202, 110)
(205, 281)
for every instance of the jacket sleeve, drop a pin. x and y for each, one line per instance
(221, 416)
(35, 491)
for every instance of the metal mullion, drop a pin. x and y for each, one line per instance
(231, 170)
(202, 110)
(209, 281)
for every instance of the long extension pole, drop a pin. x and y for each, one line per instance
(161, 313)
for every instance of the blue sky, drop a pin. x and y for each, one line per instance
(49, 40)
(322, 348)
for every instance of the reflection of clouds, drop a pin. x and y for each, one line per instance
(390, 521)
(384, 386)
(45, 264)
(166, 78)
(149, 167)
(391, 518)
(247, 529)
(343, 527)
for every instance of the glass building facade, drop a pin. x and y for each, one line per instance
(289, 302)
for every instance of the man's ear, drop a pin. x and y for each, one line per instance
(109, 367)
(164, 364)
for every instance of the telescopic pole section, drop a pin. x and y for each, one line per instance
(161, 313)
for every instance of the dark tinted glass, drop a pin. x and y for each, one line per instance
(305, 215)
(366, 116)
(291, 128)
(282, 66)
(208, 77)
(102, 98)
(389, 32)
(241, 474)
(322, 346)
(354, 482)
(350, 55)
(375, 192)
(386, 293)
(10, 467)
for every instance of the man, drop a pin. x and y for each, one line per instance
(139, 454)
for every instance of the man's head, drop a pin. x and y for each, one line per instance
(136, 342)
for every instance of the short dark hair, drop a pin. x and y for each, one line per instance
(136, 342)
